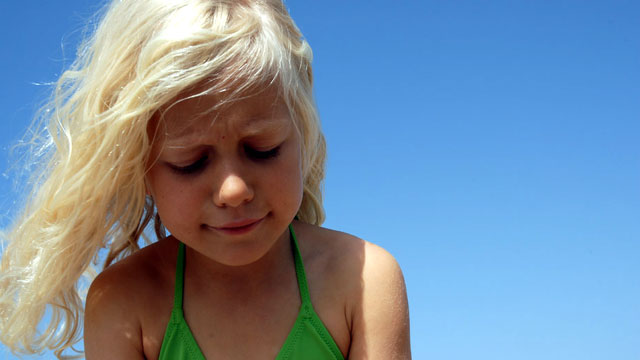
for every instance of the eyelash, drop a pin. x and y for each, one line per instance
(262, 155)
(200, 164)
(192, 168)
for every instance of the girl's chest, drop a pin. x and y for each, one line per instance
(247, 325)
(245, 330)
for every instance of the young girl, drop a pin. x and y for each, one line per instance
(196, 116)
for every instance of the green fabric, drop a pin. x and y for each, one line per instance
(308, 339)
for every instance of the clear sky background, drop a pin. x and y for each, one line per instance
(493, 147)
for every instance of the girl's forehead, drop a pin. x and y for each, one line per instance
(192, 117)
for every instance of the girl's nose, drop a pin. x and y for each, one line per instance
(233, 192)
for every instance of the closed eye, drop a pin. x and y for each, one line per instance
(192, 168)
(260, 154)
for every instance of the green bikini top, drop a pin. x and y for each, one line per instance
(308, 339)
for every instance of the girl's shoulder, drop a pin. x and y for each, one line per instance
(346, 261)
(332, 259)
(128, 296)
(346, 257)
(365, 281)
(150, 269)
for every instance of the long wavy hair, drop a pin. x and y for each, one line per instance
(88, 192)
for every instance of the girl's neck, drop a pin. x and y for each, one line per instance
(269, 269)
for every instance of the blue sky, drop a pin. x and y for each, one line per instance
(493, 147)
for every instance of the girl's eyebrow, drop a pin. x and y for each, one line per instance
(183, 139)
(262, 126)
(247, 129)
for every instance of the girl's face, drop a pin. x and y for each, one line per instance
(227, 183)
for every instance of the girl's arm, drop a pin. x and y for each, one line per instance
(111, 327)
(380, 328)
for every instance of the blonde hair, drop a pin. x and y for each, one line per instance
(89, 193)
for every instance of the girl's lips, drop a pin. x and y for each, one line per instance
(238, 227)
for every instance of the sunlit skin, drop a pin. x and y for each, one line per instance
(227, 183)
